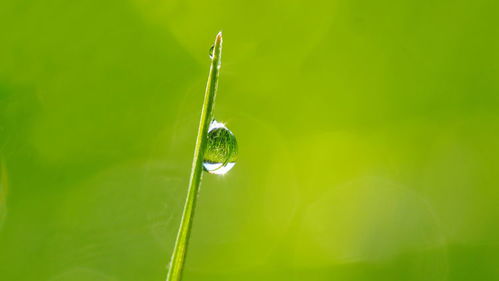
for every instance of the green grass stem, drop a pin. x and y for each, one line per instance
(179, 252)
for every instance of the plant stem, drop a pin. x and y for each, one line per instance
(180, 250)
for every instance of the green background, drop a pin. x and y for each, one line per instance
(368, 139)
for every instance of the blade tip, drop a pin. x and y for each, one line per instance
(219, 37)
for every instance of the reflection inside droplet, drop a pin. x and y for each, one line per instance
(218, 168)
(220, 155)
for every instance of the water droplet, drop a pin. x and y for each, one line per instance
(220, 155)
(212, 48)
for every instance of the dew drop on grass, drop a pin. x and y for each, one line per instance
(220, 155)
(212, 48)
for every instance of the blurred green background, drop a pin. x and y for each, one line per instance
(368, 134)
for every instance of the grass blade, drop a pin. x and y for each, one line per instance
(180, 249)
